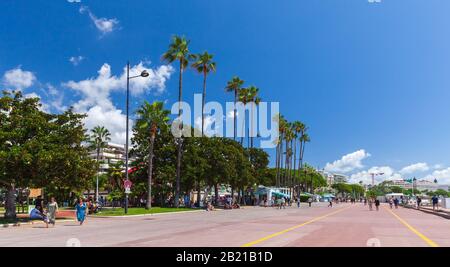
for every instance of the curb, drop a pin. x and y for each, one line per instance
(144, 215)
(6, 225)
(442, 214)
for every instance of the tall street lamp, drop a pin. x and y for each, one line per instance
(414, 185)
(373, 177)
(144, 73)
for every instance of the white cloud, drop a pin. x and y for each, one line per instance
(74, 1)
(348, 162)
(366, 177)
(209, 120)
(443, 176)
(96, 101)
(104, 25)
(52, 90)
(18, 78)
(76, 60)
(417, 167)
(438, 166)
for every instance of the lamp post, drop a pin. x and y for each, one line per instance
(373, 177)
(414, 184)
(144, 73)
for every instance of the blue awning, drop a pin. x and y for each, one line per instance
(279, 194)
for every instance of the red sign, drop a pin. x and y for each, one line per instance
(127, 184)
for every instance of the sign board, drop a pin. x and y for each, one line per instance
(35, 192)
(127, 184)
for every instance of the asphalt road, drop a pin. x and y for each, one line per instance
(343, 225)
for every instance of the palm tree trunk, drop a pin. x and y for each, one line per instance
(243, 126)
(251, 127)
(286, 163)
(98, 171)
(150, 172)
(303, 151)
(295, 162)
(301, 156)
(281, 161)
(179, 143)
(277, 164)
(235, 111)
(203, 101)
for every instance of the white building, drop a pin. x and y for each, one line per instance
(419, 185)
(333, 178)
(109, 155)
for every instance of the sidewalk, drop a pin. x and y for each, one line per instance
(445, 213)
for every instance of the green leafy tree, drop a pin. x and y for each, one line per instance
(38, 149)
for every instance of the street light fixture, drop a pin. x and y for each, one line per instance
(143, 74)
(414, 184)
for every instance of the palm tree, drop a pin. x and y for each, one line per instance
(303, 130)
(304, 139)
(152, 118)
(99, 140)
(244, 98)
(204, 64)
(282, 128)
(249, 95)
(235, 85)
(297, 128)
(178, 51)
(289, 135)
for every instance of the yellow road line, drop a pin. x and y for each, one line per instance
(430, 242)
(291, 228)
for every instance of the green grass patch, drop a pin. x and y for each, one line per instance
(138, 211)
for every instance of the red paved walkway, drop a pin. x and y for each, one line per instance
(342, 225)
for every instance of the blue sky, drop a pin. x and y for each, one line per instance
(369, 79)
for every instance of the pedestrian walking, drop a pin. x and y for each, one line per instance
(365, 201)
(81, 210)
(330, 203)
(377, 204)
(309, 201)
(370, 201)
(435, 201)
(391, 202)
(419, 200)
(39, 204)
(298, 202)
(283, 203)
(52, 209)
(396, 203)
